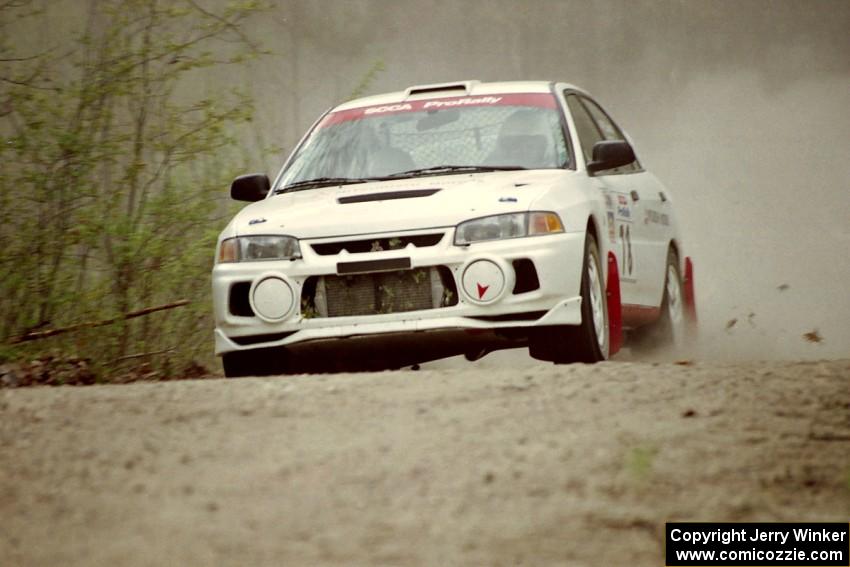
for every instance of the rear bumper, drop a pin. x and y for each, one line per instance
(557, 259)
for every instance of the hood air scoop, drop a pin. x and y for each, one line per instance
(387, 196)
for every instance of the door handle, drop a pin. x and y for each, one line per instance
(635, 196)
(662, 196)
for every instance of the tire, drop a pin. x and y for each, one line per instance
(259, 362)
(669, 330)
(588, 342)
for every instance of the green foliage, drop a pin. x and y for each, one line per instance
(112, 174)
(10, 354)
(639, 461)
(368, 78)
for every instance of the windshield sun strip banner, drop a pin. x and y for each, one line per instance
(540, 100)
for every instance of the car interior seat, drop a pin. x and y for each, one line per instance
(525, 139)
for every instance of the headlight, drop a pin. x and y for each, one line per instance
(257, 248)
(514, 225)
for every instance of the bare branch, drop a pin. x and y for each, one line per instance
(227, 24)
(141, 355)
(29, 85)
(17, 59)
(91, 324)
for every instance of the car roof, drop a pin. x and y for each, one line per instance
(459, 88)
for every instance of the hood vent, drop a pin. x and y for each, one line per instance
(462, 87)
(387, 196)
(378, 244)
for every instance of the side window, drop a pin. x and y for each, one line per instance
(588, 133)
(610, 130)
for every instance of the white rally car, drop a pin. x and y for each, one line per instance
(448, 219)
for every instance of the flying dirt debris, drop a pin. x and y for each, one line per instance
(813, 336)
(783, 287)
(731, 323)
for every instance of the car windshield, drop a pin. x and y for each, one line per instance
(510, 131)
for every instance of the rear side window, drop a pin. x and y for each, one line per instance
(586, 129)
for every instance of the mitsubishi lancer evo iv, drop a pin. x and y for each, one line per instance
(448, 219)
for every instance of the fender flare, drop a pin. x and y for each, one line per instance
(690, 297)
(615, 306)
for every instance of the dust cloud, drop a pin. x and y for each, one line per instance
(762, 185)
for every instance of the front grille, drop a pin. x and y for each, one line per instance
(385, 265)
(377, 244)
(378, 293)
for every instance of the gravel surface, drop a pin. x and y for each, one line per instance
(538, 465)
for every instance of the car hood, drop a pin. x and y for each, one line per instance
(393, 206)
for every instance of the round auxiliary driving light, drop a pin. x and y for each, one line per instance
(272, 299)
(483, 281)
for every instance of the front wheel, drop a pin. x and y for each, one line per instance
(588, 342)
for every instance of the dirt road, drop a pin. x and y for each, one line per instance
(577, 465)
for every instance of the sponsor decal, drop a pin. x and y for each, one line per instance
(540, 100)
(623, 208)
(628, 258)
(612, 232)
(655, 217)
(467, 101)
(609, 202)
(389, 108)
(256, 221)
(482, 289)
(507, 199)
(432, 104)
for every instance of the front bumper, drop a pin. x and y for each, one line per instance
(557, 259)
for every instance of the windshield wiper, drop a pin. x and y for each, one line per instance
(321, 182)
(436, 170)
(453, 169)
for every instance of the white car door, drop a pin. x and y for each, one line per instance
(627, 192)
(650, 222)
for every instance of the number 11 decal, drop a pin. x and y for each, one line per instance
(626, 240)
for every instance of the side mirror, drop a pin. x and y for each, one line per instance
(611, 154)
(253, 187)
